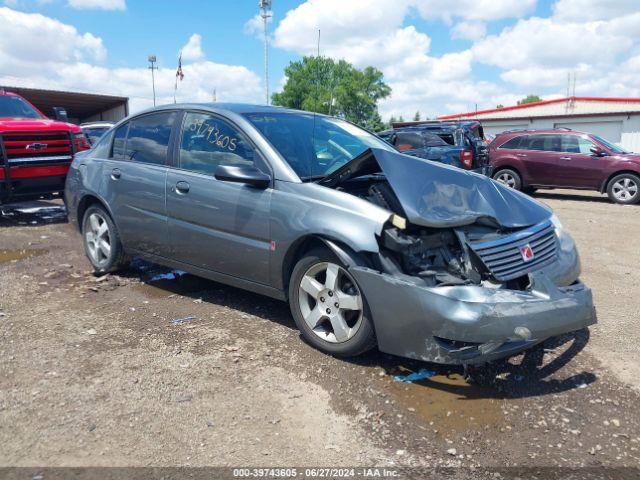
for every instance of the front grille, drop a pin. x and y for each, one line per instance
(504, 258)
(27, 147)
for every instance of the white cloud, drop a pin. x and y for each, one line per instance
(468, 30)
(547, 43)
(97, 4)
(586, 10)
(193, 49)
(72, 62)
(484, 10)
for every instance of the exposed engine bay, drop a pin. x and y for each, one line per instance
(437, 256)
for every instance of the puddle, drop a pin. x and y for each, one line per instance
(450, 403)
(15, 255)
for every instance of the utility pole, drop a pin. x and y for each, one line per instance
(152, 61)
(265, 13)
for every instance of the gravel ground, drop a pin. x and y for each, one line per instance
(98, 372)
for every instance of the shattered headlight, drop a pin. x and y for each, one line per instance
(557, 224)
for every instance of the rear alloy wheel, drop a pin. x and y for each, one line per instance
(101, 241)
(329, 307)
(624, 189)
(508, 177)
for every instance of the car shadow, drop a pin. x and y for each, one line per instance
(536, 372)
(32, 214)
(553, 195)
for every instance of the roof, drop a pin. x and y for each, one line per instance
(77, 105)
(426, 123)
(559, 107)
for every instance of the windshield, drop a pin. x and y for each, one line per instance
(314, 147)
(611, 146)
(15, 107)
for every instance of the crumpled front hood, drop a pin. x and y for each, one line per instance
(437, 195)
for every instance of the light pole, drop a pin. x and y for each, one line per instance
(152, 61)
(265, 13)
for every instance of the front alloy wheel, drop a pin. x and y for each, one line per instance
(329, 307)
(624, 189)
(330, 302)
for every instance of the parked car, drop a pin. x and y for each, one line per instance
(460, 144)
(95, 130)
(318, 212)
(563, 158)
(35, 151)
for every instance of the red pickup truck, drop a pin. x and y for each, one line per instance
(35, 151)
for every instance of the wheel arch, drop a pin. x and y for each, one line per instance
(605, 184)
(305, 244)
(85, 202)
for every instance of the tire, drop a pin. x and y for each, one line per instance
(313, 296)
(624, 189)
(98, 233)
(509, 178)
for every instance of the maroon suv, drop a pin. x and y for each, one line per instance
(562, 158)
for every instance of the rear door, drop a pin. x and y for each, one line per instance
(540, 155)
(578, 167)
(213, 224)
(135, 176)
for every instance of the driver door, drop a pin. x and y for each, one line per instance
(213, 224)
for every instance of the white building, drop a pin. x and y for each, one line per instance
(615, 119)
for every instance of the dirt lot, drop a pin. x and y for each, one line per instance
(150, 368)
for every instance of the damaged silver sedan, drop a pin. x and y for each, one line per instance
(369, 246)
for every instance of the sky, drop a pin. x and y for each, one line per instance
(438, 56)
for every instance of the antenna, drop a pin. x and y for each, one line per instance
(265, 13)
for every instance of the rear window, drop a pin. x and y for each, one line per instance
(148, 138)
(409, 141)
(514, 143)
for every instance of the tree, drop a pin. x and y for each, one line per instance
(529, 99)
(416, 117)
(500, 105)
(323, 85)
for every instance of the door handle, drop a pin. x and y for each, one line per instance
(565, 158)
(116, 173)
(182, 187)
(521, 154)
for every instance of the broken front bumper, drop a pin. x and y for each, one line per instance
(470, 324)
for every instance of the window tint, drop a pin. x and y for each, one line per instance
(433, 140)
(148, 138)
(101, 150)
(409, 141)
(546, 143)
(575, 144)
(207, 141)
(515, 143)
(120, 141)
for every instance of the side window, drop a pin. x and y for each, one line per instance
(207, 142)
(101, 149)
(570, 144)
(119, 142)
(515, 143)
(148, 138)
(584, 145)
(545, 143)
(409, 141)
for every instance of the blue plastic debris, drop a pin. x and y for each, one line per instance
(415, 376)
(180, 321)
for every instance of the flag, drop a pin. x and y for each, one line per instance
(179, 74)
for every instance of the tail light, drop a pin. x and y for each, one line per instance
(80, 142)
(466, 158)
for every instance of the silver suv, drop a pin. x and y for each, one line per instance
(368, 246)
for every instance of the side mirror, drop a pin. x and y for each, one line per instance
(247, 174)
(597, 151)
(60, 114)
